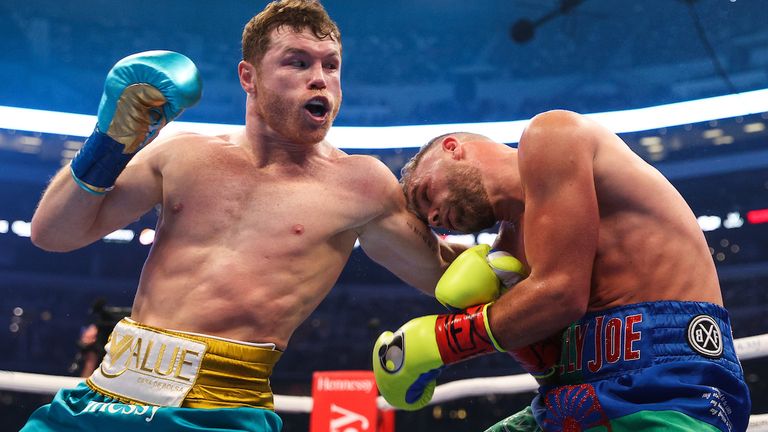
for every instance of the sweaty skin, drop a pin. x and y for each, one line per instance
(597, 226)
(255, 226)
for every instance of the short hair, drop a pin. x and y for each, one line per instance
(407, 171)
(296, 14)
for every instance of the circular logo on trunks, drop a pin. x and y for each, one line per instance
(705, 337)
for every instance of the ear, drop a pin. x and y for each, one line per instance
(453, 146)
(247, 73)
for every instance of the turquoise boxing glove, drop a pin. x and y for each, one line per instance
(142, 93)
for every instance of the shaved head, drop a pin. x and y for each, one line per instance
(466, 197)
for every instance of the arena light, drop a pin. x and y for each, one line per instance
(52, 122)
(733, 220)
(21, 228)
(726, 139)
(120, 236)
(147, 236)
(712, 133)
(634, 120)
(486, 238)
(462, 239)
(4, 226)
(709, 223)
(757, 216)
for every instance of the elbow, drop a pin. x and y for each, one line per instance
(46, 239)
(52, 247)
(43, 242)
(38, 236)
(570, 299)
(572, 309)
(574, 303)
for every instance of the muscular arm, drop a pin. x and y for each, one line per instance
(560, 230)
(403, 244)
(69, 218)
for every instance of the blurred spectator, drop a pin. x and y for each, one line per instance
(94, 337)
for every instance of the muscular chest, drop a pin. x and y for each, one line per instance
(245, 206)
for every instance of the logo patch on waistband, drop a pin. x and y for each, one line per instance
(705, 337)
(148, 365)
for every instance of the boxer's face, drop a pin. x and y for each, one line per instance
(298, 85)
(449, 194)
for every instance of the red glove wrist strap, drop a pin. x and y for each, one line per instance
(463, 335)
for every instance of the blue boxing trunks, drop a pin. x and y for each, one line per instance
(649, 366)
(157, 379)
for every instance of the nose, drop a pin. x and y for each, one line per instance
(317, 77)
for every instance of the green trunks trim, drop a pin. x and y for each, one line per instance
(519, 422)
(671, 421)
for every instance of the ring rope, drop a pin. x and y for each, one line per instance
(746, 348)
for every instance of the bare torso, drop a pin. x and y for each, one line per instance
(247, 251)
(255, 226)
(650, 246)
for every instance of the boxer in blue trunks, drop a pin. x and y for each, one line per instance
(661, 365)
(614, 304)
(255, 227)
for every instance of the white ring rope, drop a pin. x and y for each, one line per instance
(746, 348)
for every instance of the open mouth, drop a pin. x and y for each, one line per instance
(317, 107)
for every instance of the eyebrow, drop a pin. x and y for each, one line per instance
(300, 51)
(289, 51)
(411, 199)
(424, 195)
(418, 197)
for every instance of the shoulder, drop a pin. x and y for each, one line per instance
(372, 181)
(366, 168)
(557, 116)
(178, 148)
(557, 124)
(557, 133)
(558, 145)
(181, 143)
(174, 139)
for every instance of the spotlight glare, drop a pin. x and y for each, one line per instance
(147, 236)
(120, 236)
(21, 228)
(486, 238)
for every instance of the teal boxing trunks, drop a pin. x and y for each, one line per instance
(84, 409)
(163, 380)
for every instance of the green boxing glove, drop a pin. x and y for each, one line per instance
(406, 363)
(477, 276)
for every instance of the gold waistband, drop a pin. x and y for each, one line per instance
(231, 374)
